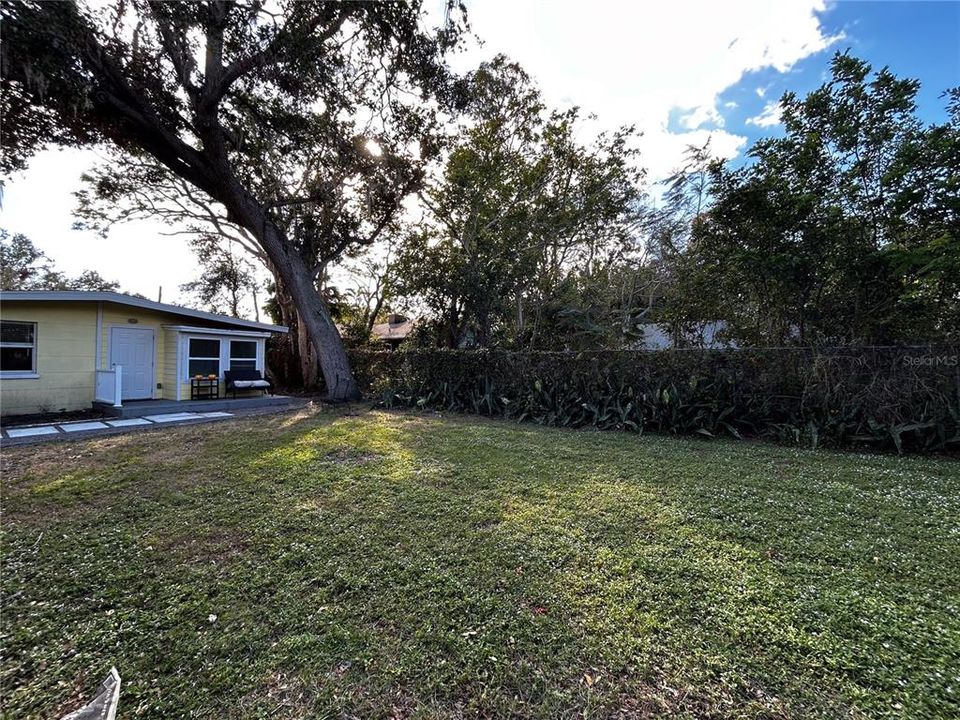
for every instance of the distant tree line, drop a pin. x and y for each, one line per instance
(845, 229)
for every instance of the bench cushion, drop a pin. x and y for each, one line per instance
(250, 384)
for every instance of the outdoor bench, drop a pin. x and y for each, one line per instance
(246, 379)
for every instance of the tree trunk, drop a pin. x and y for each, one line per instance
(298, 282)
(234, 300)
(309, 364)
(302, 366)
(452, 331)
(288, 317)
(372, 315)
(313, 316)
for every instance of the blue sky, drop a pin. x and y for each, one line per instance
(915, 39)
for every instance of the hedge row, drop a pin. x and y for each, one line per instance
(906, 399)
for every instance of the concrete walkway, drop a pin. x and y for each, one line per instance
(31, 434)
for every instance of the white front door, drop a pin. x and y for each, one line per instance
(133, 349)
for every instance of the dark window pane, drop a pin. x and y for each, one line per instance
(243, 364)
(243, 349)
(16, 332)
(204, 367)
(16, 359)
(204, 348)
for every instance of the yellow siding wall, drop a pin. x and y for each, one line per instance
(66, 358)
(169, 362)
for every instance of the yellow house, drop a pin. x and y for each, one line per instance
(68, 350)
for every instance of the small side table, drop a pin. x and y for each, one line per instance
(204, 388)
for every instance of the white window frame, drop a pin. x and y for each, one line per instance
(22, 374)
(224, 338)
(218, 358)
(256, 352)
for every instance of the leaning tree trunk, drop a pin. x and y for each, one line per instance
(314, 317)
(298, 281)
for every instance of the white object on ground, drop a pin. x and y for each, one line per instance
(79, 427)
(172, 417)
(128, 422)
(104, 705)
(31, 431)
(216, 414)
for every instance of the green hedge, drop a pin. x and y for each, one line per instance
(906, 399)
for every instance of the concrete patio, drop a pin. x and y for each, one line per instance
(150, 415)
(140, 408)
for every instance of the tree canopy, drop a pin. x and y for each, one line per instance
(519, 209)
(845, 229)
(293, 135)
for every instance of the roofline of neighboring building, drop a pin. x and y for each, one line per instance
(121, 299)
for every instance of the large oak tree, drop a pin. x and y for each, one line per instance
(244, 101)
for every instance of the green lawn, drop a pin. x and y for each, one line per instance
(372, 565)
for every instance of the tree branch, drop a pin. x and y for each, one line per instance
(270, 54)
(174, 45)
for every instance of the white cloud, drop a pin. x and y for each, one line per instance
(665, 150)
(768, 117)
(635, 63)
(701, 116)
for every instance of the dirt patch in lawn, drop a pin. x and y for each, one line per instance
(215, 546)
(350, 457)
(21, 464)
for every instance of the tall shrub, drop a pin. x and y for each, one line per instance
(904, 399)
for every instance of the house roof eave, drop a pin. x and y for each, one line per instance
(130, 301)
